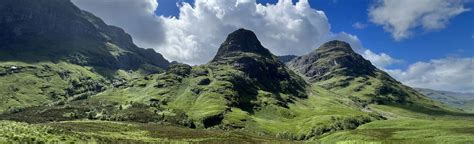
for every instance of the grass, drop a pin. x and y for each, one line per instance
(104, 131)
(409, 130)
(39, 83)
(221, 103)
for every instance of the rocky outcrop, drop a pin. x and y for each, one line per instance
(244, 52)
(331, 59)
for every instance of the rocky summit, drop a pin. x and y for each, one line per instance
(244, 52)
(335, 66)
(241, 41)
(331, 59)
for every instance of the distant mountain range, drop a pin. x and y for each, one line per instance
(463, 101)
(72, 78)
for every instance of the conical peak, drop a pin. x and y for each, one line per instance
(335, 45)
(243, 35)
(242, 40)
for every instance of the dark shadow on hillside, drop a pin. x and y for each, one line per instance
(434, 111)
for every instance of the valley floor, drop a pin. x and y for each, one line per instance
(405, 130)
(89, 131)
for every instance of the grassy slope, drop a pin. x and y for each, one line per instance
(39, 83)
(303, 119)
(469, 106)
(379, 89)
(411, 125)
(324, 115)
(103, 131)
(409, 131)
(422, 121)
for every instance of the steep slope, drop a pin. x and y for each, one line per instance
(286, 58)
(52, 51)
(455, 99)
(243, 51)
(335, 66)
(244, 77)
(56, 30)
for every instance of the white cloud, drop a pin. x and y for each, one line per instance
(400, 17)
(284, 27)
(195, 35)
(359, 25)
(450, 74)
(381, 60)
(137, 17)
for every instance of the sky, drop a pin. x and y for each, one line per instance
(423, 43)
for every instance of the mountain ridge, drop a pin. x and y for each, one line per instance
(56, 30)
(336, 67)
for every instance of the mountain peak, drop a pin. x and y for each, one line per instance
(336, 45)
(330, 59)
(242, 41)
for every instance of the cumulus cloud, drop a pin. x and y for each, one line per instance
(194, 36)
(450, 74)
(284, 27)
(137, 17)
(359, 25)
(400, 17)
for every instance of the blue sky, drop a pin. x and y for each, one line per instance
(456, 40)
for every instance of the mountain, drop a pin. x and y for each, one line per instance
(243, 78)
(244, 52)
(463, 101)
(56, 30)
(65, 76)
(244, 88)
(286, 58)
(52, 51)
(245, 94)
(332, 59)
(336, 67)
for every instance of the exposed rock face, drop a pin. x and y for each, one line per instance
(332, 58)
(244, 51)
(337, 67)
(239, 41)
(56, 30)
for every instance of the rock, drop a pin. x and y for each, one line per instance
(331, 59)
(204, 81)
(179, 69)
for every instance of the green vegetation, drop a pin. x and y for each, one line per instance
(101, 88)
(103, 131)
(23, 85)
(409, 131)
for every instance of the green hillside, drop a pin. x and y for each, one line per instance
(336, 67)
(91, 84)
